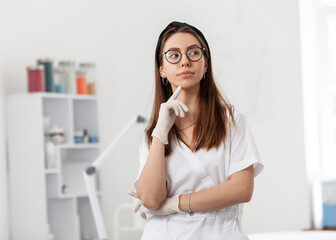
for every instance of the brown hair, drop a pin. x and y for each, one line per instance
(212, 124)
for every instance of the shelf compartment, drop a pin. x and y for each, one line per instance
(87, 224)
(85, 112)
(63, 218)
(59, 112)
(73, 162)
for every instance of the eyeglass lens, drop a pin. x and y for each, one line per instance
(174, 56)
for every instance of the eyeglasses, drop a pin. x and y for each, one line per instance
(193, 54)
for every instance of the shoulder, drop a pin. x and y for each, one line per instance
(239, 122)
(238, 116)
(143, 139)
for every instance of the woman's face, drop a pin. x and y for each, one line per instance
(185, 73)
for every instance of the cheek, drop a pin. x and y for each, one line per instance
(201, 69)
(170, 71)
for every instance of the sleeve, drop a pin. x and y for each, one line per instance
(143, 155)
(244, 152)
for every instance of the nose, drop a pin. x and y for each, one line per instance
(185, 60)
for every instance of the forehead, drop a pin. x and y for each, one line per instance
(181, 40)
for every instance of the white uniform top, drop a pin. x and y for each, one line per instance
(188, 172)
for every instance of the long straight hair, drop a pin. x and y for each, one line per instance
(215, 111)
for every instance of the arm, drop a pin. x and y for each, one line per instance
(238, 189)
(151, 186)
(239, 186)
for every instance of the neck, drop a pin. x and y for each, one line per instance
(190, 98)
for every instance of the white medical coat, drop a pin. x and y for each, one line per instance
(188, 172)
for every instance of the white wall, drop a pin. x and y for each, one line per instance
(4, 231)
(313, 77)
(3, 175)
(281, 196)
(255, 47)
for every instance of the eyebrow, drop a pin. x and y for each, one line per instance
(191, 46)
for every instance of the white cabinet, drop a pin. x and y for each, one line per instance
(41, 197)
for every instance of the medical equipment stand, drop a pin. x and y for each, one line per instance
(89, 179)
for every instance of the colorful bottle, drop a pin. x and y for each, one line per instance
(36, 78)
(81, 83)
(67, 73)
(48, 73)
(89, 69)
(59, 83)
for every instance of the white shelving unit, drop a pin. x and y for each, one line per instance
(41, 198)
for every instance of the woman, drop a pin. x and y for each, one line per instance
(198, 158)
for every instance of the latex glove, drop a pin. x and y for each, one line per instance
(169, 206)
(138, 204)
(167, 115)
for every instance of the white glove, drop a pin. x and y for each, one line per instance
(169, 206)
(167, 116)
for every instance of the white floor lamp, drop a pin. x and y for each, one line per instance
(89, 178)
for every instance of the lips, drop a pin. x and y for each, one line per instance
(185, 74)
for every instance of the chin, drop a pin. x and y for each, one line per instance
(188, 84)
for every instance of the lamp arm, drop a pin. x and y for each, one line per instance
(90, 173)
(108, 150)
(95, 206)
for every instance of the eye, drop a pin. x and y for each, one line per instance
(173, 54)
(194, 52)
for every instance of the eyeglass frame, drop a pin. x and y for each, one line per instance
(203, 49)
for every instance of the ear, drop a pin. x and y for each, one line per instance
(205, 67)
(162, 72)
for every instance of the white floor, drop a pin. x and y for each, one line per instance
(304, 235)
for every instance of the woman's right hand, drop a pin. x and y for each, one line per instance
(169, 206)
(167, 115)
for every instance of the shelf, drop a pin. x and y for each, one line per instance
(84, 97)
(83, 195)
(73, 195)
(52, 171)
(66, 96)
(60, 199)
(78, 146)
(56, 95)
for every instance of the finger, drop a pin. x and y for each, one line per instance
(138, 205)
(175, 107)
(176, 93)
(181, 111)
(143, 215)
(185, 108)
(142, 212)
(133, 194)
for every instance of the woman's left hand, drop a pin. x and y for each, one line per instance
(169, 206)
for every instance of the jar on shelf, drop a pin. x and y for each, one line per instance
(36, 78)
(48, 73)
(89, 69)
(59, 81)
(56, 134)
(78, 137)
(85, 136)
(50, 151)
(67, 74)
(81, 82)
